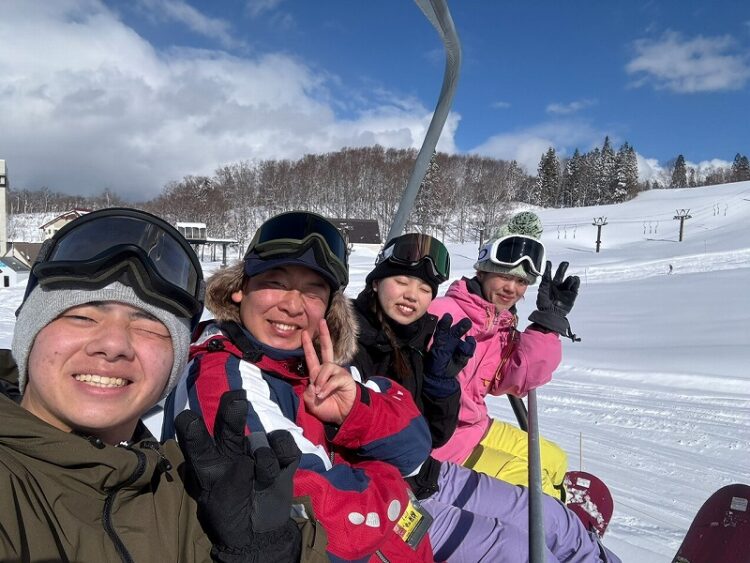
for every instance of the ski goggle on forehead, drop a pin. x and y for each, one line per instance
(293, 233)
(413, 248)
(512, 250)
(133, 246)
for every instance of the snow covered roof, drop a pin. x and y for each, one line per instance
(68, 215)
(13, 264)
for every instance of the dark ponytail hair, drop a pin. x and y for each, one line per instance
(402, 369)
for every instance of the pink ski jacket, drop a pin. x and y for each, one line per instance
(530, 364)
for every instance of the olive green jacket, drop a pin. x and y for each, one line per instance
(64, 497)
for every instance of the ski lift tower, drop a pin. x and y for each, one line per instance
(599, 222)
(682, 215)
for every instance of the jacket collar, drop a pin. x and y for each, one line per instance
(82, 463)
(282, 363)
(481, 312)
(417, 335)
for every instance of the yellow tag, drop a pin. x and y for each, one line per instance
(408, 522)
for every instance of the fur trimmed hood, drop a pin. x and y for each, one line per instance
(342, 322)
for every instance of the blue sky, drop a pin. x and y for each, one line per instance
(130, 95)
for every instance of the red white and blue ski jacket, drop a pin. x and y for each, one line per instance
(353, 474)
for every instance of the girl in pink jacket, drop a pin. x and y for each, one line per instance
(506, 360)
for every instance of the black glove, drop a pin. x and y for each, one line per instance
(555, 300)
(243, 487)
(448, 355)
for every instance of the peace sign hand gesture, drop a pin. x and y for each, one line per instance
(332, 390)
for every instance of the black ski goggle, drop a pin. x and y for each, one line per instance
(512, 250)
(294, 232)
(412, 248)
(102, 246)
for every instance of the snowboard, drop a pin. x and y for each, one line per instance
(721, 529)
(589, 498)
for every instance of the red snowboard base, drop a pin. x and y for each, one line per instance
(721, 529)
(590, 499)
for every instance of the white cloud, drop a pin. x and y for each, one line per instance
(279, 20)
(526, 146)
(181, 12)
(651, 169)
(259, 7)
(569, 108)
(500, 105)
(95, 105)
(700, 64)
(436, 56)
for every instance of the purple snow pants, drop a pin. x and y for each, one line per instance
(480, 518)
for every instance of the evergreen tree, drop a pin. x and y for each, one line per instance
(744, 169)
(631, 172)
(593, 164)
(573, 185)
(607, 181)
(548, 180)
(424, 205)
(679, 173)
(514, 179)
(740, 168)
(620, 189)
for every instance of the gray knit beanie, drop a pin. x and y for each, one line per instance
(524, 223)
(44, 305)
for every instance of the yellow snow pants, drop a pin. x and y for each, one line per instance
(504, 453)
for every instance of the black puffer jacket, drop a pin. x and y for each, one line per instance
(375, 357)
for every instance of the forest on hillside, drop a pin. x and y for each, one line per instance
(460, 196)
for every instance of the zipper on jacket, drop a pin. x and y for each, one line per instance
(164, 464)
(110, 500)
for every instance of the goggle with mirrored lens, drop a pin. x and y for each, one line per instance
(293, 233)
(105, 245)
(512, 250)
(412, 248)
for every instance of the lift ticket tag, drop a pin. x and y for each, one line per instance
(414, 523)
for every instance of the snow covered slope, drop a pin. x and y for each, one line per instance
(658, 391)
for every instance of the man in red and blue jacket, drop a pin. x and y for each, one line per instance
(354, 463)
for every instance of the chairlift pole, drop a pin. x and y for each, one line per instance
(440, 17)
(536, 511)
(527, 421)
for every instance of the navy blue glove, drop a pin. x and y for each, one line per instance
(448, 355)
(555, 299)
(243, 487)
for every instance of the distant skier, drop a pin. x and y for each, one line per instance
(670, 269)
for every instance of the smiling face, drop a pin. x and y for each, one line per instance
(502, 290)
(403, 298)
(277, 305)
(97, 368)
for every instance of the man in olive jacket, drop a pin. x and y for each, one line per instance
(81, 478)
